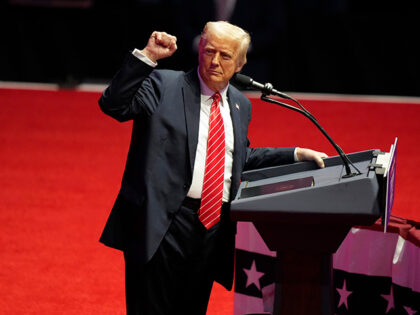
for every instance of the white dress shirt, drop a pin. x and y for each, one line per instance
(203, 133)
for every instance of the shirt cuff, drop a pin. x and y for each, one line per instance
(295, 154)
(137, 53)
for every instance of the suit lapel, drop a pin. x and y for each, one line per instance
(236, 119)
(234, 106)
(191, 94)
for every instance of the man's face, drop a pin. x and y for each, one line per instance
(218, 60)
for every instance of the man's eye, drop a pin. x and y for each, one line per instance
(225, 56)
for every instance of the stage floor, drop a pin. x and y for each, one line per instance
(61, 165)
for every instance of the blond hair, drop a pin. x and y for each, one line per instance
(225, 29)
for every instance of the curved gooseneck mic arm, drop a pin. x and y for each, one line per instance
(304, 112)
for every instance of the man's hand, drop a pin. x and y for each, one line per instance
(311, 155)
(160, 45)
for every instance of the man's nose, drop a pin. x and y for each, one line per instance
(216, 58)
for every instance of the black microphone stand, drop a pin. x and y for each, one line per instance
(268, 88)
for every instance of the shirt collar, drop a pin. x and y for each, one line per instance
(208, 93)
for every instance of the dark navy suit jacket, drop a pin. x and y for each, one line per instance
(165, 108)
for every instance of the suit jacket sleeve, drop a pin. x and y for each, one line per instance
(266, 157)
(134, 91)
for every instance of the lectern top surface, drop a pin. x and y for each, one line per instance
(296, 173)
(304, 193)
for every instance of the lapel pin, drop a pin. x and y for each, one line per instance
(237, 106)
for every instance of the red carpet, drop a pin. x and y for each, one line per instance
(61, 162)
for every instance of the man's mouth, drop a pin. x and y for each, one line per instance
(214, 72)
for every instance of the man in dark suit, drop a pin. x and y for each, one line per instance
(173, 252)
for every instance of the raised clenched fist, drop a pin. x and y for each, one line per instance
(160, 45)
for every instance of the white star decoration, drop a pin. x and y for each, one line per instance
(390, 299)
(253, 276)
(344, 294)
(409, 310)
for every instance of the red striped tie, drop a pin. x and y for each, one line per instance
(211, 196)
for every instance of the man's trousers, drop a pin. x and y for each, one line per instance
(179, 277)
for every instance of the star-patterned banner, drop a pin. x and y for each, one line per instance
(374, 273)
(362, 294)
(255, 272)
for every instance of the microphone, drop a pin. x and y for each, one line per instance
(266, 89)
